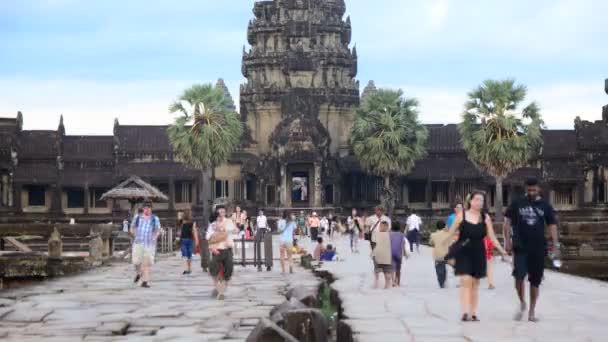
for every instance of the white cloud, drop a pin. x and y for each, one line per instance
(438, 13)
(560, 103)
(89, 107)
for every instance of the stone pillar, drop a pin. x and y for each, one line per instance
(17, 188)
(171, 193)
(580, 193)
(87, 199)
(55, 244)
(56, 205)
(283, 193)
(452, 191)
(96, 248)
(318, 188)
(429, 193)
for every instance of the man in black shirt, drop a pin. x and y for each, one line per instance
(526, 220)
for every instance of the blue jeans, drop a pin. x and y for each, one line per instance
(186, 247)
(441, 272)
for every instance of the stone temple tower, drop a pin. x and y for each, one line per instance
(300, 95)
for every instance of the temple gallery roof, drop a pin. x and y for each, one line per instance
(88, 148)
(143, 139)
(38, 145)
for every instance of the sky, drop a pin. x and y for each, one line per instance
(97, 60)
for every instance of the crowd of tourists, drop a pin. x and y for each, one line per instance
(465, 241)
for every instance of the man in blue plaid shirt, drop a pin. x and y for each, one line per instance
(145, 228)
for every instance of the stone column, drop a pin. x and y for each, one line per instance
(429, 193)
(17, 188)
(171, 193)
(580, 193)
(318, 188)
(56, 205)
(283, 190)
(452, 191)
(87, 200)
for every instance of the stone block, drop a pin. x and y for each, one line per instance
(305, 295)
(277, 314)
(307, 325)
(267, 331)
(96, 248)
(55, 244)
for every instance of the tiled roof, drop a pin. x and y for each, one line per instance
(143, 139)
(592, 136)
(443, 139)
(559, 143)
(444, 168)
(94, 177)
(562, 170)
(36, 172)
(156, 170)
(38, 145)
(88, 148)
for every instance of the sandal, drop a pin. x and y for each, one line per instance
(474, 318)
(465, 318)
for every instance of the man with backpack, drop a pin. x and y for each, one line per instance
(145, 230)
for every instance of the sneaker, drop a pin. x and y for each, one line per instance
(519, 315)
(137, 277)
(145, 284)
(186, 272)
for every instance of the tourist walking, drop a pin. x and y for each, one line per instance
(145, 229)
(301, 222)
(473, 225)
(324, 224)
(452, 216)
(354, 229)
(188, 239)
(441, 241)
(373, 222)
(413, 224)
(382, 255)
(221, 266)
(397, 252)
(286, 231)
(239, 217)
(314, 226)
(261, 224)
(526, 222)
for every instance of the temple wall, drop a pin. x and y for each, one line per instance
(262, 121)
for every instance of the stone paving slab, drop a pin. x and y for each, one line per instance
(104, 305)
(570, 308)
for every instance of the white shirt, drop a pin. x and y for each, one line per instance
(261, 221)
(371, 221)
(413, 222)
(324, 223)
(230, 229)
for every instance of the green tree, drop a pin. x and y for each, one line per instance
(205, 133)
(498, 135)
(387, 137)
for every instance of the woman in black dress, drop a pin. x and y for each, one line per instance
(472, 225)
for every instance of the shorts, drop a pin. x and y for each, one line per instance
(141, 254)
(285, 244)
(224, 261)
(396, 264)
(382, 268)
(531, 264)
(186, 247)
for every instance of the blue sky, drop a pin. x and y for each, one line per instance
(96, 60)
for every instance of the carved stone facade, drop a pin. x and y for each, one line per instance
(299, 98)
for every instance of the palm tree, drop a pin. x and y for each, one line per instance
(497, 135)
(387, 138)
(205, 133)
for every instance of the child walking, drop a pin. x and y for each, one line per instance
(397, 252)
(382, 255)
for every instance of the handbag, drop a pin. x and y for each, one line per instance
(368, 236)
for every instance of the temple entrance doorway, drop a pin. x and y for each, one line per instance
(300, 189)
